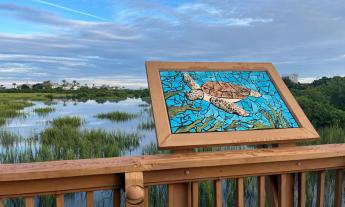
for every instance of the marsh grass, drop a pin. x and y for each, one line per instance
(147, 125)
(68, 121)
(2, 121)
(8, 139)
(65, 139)
(12, 109)
(117, 116)
(32, 96)
(328, 135)
(44, 111)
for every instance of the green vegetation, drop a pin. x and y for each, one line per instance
(8, 139)
(44, 111)
(11, 109)
(117, 116)
(20, 95)
(68, 121)
(323, 101)
(173, 111)
(44, 92)
(65, 139)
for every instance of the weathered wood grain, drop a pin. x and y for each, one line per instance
(71, 168)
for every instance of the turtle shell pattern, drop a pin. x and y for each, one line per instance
(225, 90)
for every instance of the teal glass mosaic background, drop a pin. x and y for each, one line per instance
(223, 101)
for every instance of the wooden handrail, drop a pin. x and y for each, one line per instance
(85, 167)
(59, 177)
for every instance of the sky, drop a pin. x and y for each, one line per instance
(108, 41)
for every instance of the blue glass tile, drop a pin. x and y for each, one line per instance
(266, 111)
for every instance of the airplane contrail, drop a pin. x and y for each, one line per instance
(71, 10)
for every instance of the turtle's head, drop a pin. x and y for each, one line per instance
(195, 95)
(255, 94)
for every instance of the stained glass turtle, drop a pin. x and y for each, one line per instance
(223, 95)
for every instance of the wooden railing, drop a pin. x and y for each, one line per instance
(181, 172)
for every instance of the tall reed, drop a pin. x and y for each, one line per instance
(117, 116)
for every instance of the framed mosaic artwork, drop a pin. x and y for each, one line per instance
(199, 104)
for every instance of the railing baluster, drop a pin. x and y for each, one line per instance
(116, 197)
(286, 190)
(60, 200)
(338, 188)
(29, 201)
(178, 194)
(146, 197)
(89, 199)
(195, 194)
(262, 191)
(321, 189)
(218, 193)
(240, 192)
(1, 202)
(302, 189)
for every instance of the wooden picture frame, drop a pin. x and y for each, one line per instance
(168, 140)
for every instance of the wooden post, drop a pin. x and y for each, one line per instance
(29, 201)
(89, 199)
(276, 190)
(134, 188)
(302, 177)
(240, 192)
(261, 191)
(195, 194)
(286, 194)
(180, 194)
(286, 184)
(218, 193)
(146, 198)
(60, 200)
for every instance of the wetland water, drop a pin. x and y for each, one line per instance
(32, 123)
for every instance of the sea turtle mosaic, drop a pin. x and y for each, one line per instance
(211, 101)
(221, 94)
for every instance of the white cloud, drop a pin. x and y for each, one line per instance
(239, 21)
(15, 68)
(198, 7)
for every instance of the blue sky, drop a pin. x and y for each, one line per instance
(108, 41)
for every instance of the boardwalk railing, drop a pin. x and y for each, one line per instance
(182, 172)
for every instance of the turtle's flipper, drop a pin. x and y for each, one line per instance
(191, 83)
(228, 106)
(255, 94)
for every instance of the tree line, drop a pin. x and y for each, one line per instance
(323, 100)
